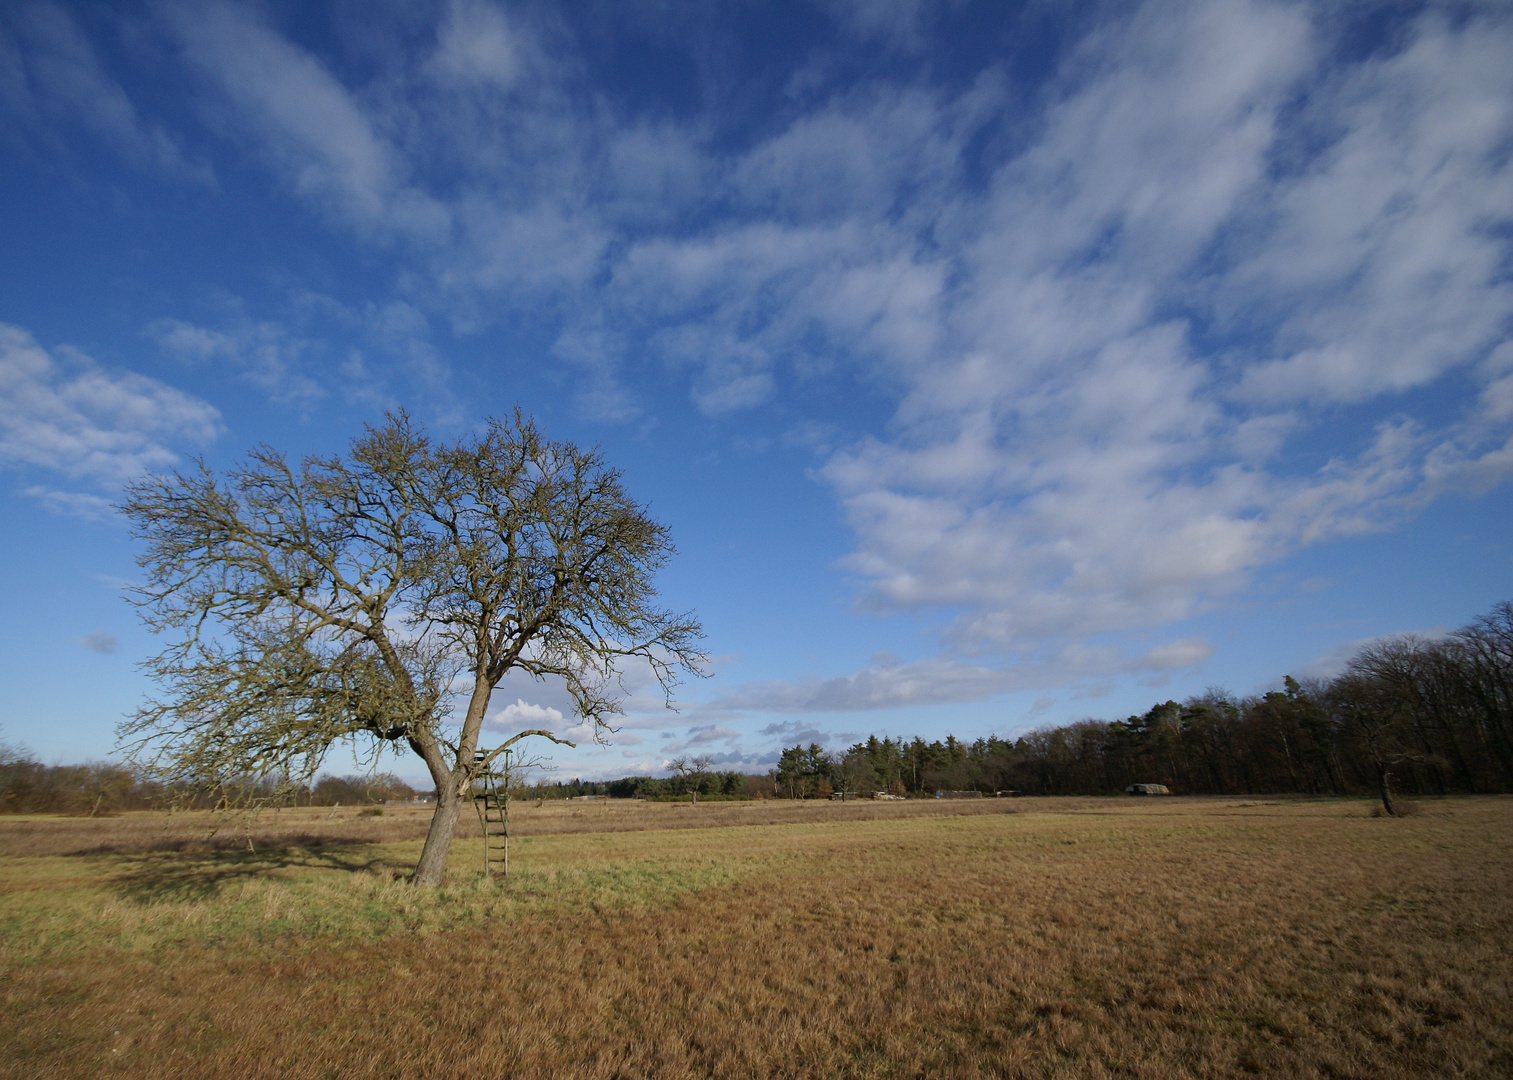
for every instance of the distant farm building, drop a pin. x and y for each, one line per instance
(1147, 789)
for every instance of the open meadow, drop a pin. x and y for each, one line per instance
(1038, 938)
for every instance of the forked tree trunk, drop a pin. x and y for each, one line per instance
(433, 857)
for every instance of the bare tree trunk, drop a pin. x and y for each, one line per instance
(433, 857)
(1384, 786)
(451, 789)
(1291, 771)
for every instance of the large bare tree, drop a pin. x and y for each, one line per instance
(358, 598)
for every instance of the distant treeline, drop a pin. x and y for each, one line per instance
(707, 785)
(29, 787)
(1409, 714)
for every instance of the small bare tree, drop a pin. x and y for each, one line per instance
(689, 770)
(1370, 701)
(344, 599)
(700, 767)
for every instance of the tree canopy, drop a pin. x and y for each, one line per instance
(365, 597)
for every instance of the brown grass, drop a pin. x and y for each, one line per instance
(1046, 938)
(45, 834)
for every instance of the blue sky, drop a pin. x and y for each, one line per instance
(994, 365)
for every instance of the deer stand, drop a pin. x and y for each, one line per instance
(491, 798)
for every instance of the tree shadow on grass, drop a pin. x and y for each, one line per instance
(220, 839)
(168, 876)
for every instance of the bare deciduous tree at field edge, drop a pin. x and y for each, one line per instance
(343, 599)
(1371, 701)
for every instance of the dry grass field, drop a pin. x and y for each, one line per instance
(1038, 938)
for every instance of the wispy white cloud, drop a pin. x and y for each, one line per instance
(52, 85)
(476, 45)
(899, 23)
(1080, 463)
(1384, 261)
(264, 352)
(63, 413)
(1105, 357)
(289, 357)
(307, 123)
(78, 504)
(892, 684)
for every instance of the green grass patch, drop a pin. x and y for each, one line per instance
(54, 907)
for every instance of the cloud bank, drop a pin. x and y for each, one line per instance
(1225, 280)
(1113, 339)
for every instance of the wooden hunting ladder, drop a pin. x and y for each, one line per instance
(491, 798)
